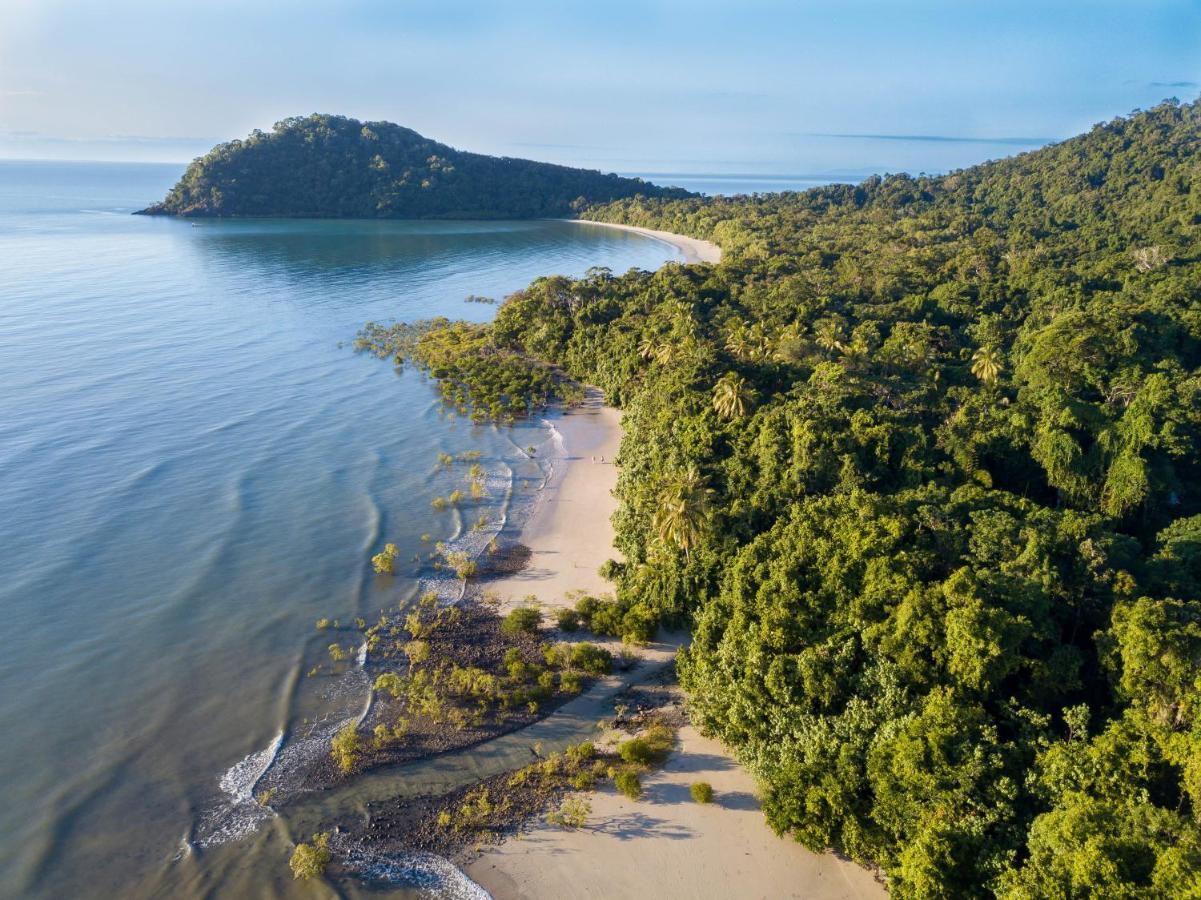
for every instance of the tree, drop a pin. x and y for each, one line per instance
(732, 396)
(683, 511)
(309, 860)
(987, 364)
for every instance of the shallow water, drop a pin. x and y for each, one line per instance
(194, 468)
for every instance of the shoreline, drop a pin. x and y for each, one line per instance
(664, 844)
(694, 249)
(568, 532)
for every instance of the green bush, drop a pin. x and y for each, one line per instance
(611, 570)
(628, 784)
(525, 619)
(637, 751)
(309, 860)
(567, 620)
(346, 746)
(591, 659)
(702, 792)
(573, 813)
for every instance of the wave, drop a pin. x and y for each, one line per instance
(431, 875)
(239, 813)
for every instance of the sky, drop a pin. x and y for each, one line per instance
(842, 87)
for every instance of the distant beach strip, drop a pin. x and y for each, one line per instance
(694, 249)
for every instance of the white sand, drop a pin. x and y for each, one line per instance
(569, 533)
(693, 249)
(663, 846)
(667, 846)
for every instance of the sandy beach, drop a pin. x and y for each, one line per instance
(693, 249)
(663, 845)
(667, 846)
(569, 533)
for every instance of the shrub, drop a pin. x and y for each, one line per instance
(610, 570)
(567, 620)
(309, 860)
(660, 739)
(417, 651)
(322, 624)
(702, 792)
(385, 562)
(345, 747)
(523, 619)
(637, 751)
(628, 784)
(573, 813)
(592, 659)
(570, 683)
(580, 753)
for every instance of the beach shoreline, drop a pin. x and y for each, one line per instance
(568, 532)
(694, 250)
(664, 844)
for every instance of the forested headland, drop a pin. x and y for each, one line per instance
(918, 465)
(323, 166)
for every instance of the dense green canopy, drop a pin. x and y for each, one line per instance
(919, 464)
(332, 166)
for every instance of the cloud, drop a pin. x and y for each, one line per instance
(21, 93)
(933, 138)
(1173, 84)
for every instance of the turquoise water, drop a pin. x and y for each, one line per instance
(194, 467)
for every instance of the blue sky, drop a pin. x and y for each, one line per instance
(739, 87)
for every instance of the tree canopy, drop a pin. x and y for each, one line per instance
(335, 167)
(918, 464)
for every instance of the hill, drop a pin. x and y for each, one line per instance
(920, 465)
(324, 166)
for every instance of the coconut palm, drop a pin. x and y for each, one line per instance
(651, 348)
(987, 364)
(737, 343)
(829, 335)
(732, 396)
(683, 510)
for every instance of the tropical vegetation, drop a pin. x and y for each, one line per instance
(918, 464)
(332, 166)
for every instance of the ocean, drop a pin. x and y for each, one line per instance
(195, 468)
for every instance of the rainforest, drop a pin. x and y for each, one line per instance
(917, 463)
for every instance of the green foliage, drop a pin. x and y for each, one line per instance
(309, 860)
(346, 746)
(384, 562)
(331, 166)
(701, 791)
(628, 783)
(567, 620)
(572, 813)
(943, 515)
(526, 619)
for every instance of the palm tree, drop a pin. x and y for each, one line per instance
(732, 396)
(660, 351)
(737, 343)
(683, 510)
(987, 364)
(829, 335)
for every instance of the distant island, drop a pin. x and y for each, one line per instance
(324, 166)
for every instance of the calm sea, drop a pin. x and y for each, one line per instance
(194, 468)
